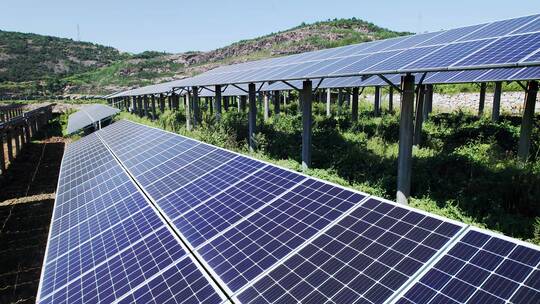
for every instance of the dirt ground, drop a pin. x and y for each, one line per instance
(26, 204)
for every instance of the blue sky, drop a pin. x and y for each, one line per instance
(177, 26)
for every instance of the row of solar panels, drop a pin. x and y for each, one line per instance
(501, 44)
(449, 77)
(143, 215)
(89, 116)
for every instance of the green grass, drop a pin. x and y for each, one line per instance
(466, 169)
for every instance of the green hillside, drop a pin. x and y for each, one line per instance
(42, 65)
(27, 57)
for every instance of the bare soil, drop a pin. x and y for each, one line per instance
(27, 194)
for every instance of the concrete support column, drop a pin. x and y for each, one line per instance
(482, 101)
(27, 133)
(354, 105)
(276, 99)
(377, 102)
(217, 102)
(266, 107)
(391, 99)
(252, 116)
(17, 133)
(328, 99)
(496, 102)
(195, 104)
(527, 120)
(307, 100)
(428, 101)
(405, 140)
(419, 119)
(9, 141)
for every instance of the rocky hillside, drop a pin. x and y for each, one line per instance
(130, 71)
(25, 57)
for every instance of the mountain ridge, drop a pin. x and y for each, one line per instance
(106, 69)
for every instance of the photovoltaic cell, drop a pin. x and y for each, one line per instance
(447, 55)
(481, 268)
(499, 28)
(105, 239)
(241, 253)
(503, 50)
(366, 256)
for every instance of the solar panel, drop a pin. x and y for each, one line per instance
(89, 115)
(368, 255)
(504, 50)
(104, 228)
(481, 268)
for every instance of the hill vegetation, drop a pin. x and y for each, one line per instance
(41, 65)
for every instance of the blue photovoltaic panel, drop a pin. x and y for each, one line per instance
(481, 268)
(104, 228)
(447, 55)
(497, 74)
(216, 181)
(504, 50)
(451, 35)
(466, 76)
(499, 28)
(403, 58)
(259, 241)
(366, 257)
(362, 64)
(529, 28)
(229, 207)
(527, 73)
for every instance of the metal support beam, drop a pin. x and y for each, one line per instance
(482, 101)
(276, 100)
(496, 102)
(217, 102)
(328, 98)
(226, 103)
(195, 105)
(307, 99)
(187, 110)
(354, 106)
(527, 120)
(405, 140)
(419, 118)
(377, 101)
(340, 101)
(153, 100)
(428, 101)
(242, 103)
(266, 107)
(252, 116)
(2, 156)
(161, 103)
(391, 99)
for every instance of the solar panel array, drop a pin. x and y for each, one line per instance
(143, 215)
(88, 116)
(498, 44)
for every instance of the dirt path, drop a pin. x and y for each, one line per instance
(26, 203)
